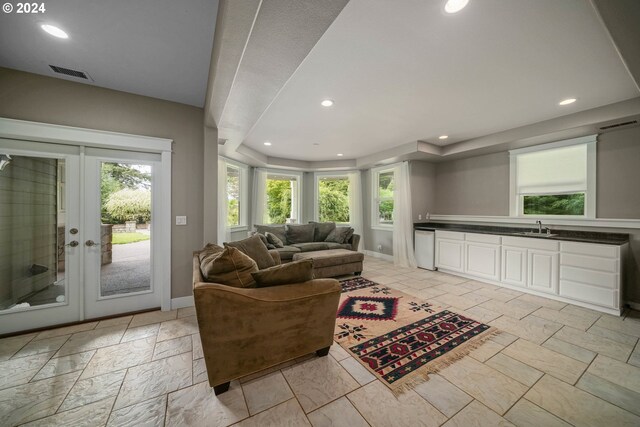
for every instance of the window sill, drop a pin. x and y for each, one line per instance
(238, 228)
(382, 227)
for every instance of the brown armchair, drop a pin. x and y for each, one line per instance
(246, 330)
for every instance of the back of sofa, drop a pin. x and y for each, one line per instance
(306, 233)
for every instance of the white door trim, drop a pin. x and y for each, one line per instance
(67, 135)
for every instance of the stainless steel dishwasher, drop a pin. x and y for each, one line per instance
(424, 248)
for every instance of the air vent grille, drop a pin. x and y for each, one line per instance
(70, 72)
(617, 125)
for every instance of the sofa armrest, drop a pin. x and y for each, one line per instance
(246, 330)
(355, 242)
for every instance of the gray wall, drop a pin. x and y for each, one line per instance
(473, 186)
(28, 226)
(618, 174)
(423, 189)
(37, 98)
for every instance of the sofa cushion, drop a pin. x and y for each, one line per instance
(299, 233)
(278, 230)
(293, 272)
(265, 241)
(311, 246)
(254, 248)
(274, 240)
(322, 230)
(229, 267)
(209, 249)
(287, 252)
(333, 245)
(340, 235)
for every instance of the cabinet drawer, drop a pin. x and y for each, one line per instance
(598, 279)
(482, 238)
(593, 249)
(523, 242)
(451, 235)
(591, 294)
(608, 265)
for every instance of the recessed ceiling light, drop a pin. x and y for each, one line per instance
(340, 154)
(567, 101)
(443, 137)
(54, 31)
(327, 103)
(268, 144)
(455, 6)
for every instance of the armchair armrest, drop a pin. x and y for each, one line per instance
(355, 242)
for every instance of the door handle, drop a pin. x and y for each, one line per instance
(90, 243)
(73, 243)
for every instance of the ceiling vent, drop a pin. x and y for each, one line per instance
(616, 126)
(222, 141)
(71, 73)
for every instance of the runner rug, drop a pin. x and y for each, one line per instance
(400, 338)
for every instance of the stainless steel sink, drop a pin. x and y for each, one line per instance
(534, 234)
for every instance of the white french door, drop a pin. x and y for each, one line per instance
(64, 256)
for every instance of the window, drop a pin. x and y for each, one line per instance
(283, 194)
(332, 198)
(383, 186)
(236, 195)
(555, 179)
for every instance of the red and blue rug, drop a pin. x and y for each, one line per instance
(400, 338)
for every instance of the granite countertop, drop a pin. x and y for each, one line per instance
(564, 235)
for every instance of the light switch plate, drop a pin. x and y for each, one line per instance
(181, 220)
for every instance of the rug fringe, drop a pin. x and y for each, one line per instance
(421, 375)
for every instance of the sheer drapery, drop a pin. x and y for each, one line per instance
(224, 233)
(403, 255)
(259, 196)
(355, 205)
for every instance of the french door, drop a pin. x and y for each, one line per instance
(77, 233)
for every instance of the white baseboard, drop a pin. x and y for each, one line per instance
(182, 302)
(378, 255)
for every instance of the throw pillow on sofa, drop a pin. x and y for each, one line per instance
(322, 230)
(274, 240)
(297, 233)
(209, 249)
(255, 249)
(292, 272)
(278, 230)
(340, 235)
(229, 267)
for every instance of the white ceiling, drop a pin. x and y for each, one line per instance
(156, 48)
(404, 71)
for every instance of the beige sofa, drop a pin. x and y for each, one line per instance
(246, 330)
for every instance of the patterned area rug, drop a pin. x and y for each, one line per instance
(400, 338)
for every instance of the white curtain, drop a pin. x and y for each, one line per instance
(259, 196)
(403, 255)
(355, 205)
(224, 233)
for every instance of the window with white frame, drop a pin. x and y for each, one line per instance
(556, 179)
(282, 198)
(332, 198)
(382, 192)
(237, 195)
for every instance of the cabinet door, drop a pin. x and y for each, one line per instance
(450, 254)
(482, 260)
(514, 266)
(543, 271)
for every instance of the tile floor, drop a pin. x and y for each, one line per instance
(554, 365)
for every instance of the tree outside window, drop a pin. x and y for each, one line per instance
(233, 196)
(282, 198)
(333, 199)
(384, 197)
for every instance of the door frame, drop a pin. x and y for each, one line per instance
(67, 135)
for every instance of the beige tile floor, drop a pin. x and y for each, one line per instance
(554, 365)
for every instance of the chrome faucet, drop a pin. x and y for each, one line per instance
(539, 226)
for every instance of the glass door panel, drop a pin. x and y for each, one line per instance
(38, 261)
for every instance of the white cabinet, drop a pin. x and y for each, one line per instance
(514, 266)
(592, 273)
(450, 251)
(482, 255)
(543, 270)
